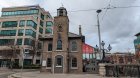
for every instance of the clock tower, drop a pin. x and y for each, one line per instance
(60, 41)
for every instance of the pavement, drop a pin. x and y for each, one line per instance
(4, 73)
(37, 74)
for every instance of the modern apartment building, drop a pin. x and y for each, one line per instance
(20, 28)
(137, 47)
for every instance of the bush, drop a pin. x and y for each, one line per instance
(33, 66)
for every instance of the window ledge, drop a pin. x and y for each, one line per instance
(74, 67)
(49, 51)
(59, 50)
(58, 66)
(48, 67)
(74, 51)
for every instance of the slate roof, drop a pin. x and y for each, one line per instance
(70, 35)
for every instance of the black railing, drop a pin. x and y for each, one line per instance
(123, 70)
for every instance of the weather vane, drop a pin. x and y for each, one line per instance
(62, 4)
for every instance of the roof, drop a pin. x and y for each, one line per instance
(62, 8)
(71, 35)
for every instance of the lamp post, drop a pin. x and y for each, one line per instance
(108, 49)
(96, 50)
(98, 24)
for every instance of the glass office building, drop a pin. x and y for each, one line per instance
(20, 29)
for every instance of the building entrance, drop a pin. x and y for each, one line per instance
(58, 67)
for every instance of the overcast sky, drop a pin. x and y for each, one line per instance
(118, 26)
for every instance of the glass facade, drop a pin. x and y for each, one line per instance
(7, 42)
(20, 12)
(49, 23)
(22, 23)
(42, 16)
(48, 31)
(20, 32)
(8, 33)
(9, 24)
(28, 41)
(31, 23)
(29, 32)
(40, 30)
(41, 23)
(19, 41)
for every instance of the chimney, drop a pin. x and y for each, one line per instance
(80, 30)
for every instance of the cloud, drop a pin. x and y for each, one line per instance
(118, 26)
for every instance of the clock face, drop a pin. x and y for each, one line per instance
(59, 27)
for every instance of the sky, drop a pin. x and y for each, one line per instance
(118, 26)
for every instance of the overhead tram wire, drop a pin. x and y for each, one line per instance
(111, 7)
(108, 6)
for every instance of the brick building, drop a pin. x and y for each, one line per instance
(62, 51)
(121, 58)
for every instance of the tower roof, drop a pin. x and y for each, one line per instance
(62, 8)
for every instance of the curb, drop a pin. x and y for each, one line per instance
(14, 76)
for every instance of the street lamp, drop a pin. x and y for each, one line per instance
(96, 50)
(99, 35)
(108, 49)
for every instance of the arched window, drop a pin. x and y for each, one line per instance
(73, 62)
(74, 46)
(59, 45)
(50, 47)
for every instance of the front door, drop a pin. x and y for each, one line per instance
(58, 68)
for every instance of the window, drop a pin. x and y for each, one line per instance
(41, 23)
(28, 41)
(31, 23)
(20, 32)
(19, 41)
(49, 62)
(29, 32)
(8, 33)
(59, 45)
(4, 42)
(48, 31)
(40, 30)
(22, 23)
(74, 46)
(9, 24)
(22, 12)
(59, 61)
(39, 45)
(50, 47)
(42, 16)
(73, 62)
(49, 23)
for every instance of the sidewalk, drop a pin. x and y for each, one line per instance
(44, 75)
(37, 74)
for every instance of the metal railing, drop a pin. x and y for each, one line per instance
(123, 70)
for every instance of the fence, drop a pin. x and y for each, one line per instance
(123, 70)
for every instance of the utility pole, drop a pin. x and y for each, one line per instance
(99, 35)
